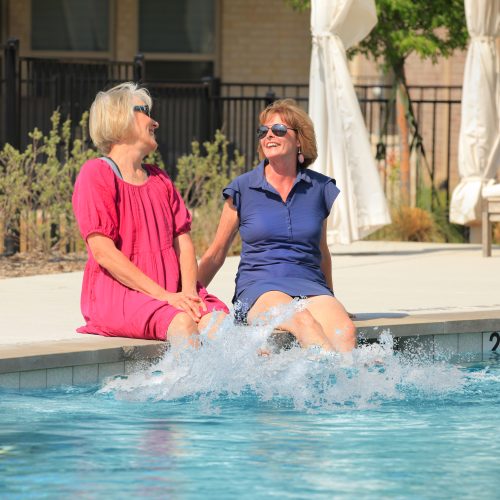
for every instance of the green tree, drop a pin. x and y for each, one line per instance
(430, 29)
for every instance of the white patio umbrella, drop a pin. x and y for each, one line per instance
(344, 150)
(479, 138)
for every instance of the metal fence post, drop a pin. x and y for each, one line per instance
(11, 96)
(270, 97)
(139, 70)
(212, 108)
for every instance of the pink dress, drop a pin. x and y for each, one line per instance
(143, 222)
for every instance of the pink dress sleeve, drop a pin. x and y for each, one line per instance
(182, 216)
(95, 200)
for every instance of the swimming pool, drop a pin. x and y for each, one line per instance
(224, 422)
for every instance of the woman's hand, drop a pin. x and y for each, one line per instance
(190, 303)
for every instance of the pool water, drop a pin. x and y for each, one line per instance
(226, 422)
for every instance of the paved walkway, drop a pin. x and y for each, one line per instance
(372, 279)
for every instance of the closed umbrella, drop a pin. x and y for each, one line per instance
(344, 150)
(479, 138)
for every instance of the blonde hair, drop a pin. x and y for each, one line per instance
(111, 114)
(297, 118)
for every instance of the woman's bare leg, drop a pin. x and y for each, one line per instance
(334, 320)
(302, 324)
(217, 317)
(183, 331)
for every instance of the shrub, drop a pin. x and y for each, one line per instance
(496, 232)
(36, 184)
(409, 224)
(452, 233)
(414, 224)
(201, 177)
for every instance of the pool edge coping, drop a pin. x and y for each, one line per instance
(90, 349)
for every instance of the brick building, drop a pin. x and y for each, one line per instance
(237, 41)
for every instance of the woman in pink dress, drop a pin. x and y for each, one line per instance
(140, 278)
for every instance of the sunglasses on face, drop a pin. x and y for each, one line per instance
(278, 129)
(143, 109)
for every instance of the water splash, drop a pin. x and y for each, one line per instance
(231, 365)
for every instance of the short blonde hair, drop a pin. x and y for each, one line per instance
(296, 118)
(111, 114)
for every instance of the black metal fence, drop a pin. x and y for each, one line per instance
(434, 147)
(32, 88)
(433, 151)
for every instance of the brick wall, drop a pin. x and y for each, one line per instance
(126, 30)
(418, 72)
(18, 25)
(444, 72)
(264, 41)
(260, 41)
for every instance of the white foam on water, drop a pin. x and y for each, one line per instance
(232, 365)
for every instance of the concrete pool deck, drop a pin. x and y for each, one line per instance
(443, 291)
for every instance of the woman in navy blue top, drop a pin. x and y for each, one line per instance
(280, 209)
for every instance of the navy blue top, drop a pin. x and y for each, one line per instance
(281, 240)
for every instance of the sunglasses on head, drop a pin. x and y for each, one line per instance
(143, 109)
(278, 129)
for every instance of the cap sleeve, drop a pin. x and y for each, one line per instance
(330, 193)
(182, 216)
(233, 190)
(95, 200)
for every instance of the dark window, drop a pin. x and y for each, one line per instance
(177, 26)
(178, 71)
(80, 25)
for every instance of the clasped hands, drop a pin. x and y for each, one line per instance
(191, 303)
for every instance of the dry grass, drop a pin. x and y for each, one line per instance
(410, 224)
(414, 224)
(33, 263)
(496, 232)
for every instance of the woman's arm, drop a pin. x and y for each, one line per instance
(184, 249)
(126, 272)
(215, 256)
(326, 258)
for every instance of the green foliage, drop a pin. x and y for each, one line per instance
(429, 29)
(15, 171)
(155, 158)
(201, 176)
(299, 5)
(36, 185)
(41, 178)
(62, 161)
